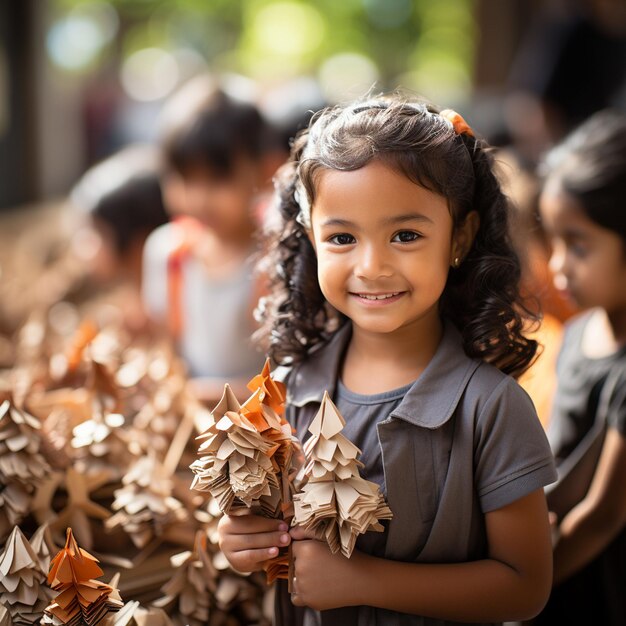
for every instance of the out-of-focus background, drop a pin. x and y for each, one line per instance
(81, 78)
(110, 350)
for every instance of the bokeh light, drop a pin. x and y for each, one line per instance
(149, 74)
(346, 76)
(75, 40)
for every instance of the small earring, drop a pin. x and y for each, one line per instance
(456, 262)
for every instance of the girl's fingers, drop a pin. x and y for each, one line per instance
(298, 533)
(248, 524)
(256, 556)
(242, 543)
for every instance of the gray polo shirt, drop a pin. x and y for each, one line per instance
(465, 440)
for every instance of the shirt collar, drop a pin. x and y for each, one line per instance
(429, 403)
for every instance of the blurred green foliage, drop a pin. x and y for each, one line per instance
(420, 44)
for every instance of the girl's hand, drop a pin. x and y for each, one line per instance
(248, 541)
(322, 580)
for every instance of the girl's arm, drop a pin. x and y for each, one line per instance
(513, 583)
(592, 524)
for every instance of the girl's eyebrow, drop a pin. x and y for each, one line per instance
(396, 219)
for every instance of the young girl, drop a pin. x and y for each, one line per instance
(582, 211)
(396, 291)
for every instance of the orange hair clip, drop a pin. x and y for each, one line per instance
(460, 126)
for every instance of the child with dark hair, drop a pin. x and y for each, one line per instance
(121, 201)
(395, 289)
(122, 198)
(199, 279)
(582, 211)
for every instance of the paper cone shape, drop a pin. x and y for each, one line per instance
(189, 595)
(336, 503)
(21, 464)
(81, 599)
(43, 546)
(145, 506)
(21, 580)
(272, 392)
(235, 463)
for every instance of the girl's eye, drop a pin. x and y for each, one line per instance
(578, 250)
(406, 236)
(342, 239)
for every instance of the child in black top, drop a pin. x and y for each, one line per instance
(582, 211)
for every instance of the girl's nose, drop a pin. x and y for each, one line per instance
(557, 264)
(557, 258)
(372, 263)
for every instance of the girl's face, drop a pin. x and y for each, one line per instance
(588, 261)
(384, 247)
(222, 204)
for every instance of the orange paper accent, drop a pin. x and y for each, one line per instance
(273, 392)
(72, 564)
(84, 336)
(461, 127)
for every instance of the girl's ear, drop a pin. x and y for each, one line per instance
(463, 238)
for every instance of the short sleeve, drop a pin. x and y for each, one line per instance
(616, 416)
(154, 272)
(512, 456)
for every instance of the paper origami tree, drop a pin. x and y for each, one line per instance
(21, 464)
(247, 450)
(145, 505)
(248, 456)
(21, 578)
(336, 503)
(81, 599)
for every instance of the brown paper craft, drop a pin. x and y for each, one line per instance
(248, 457)
(43, 546)
(21, 580)
(81, 599)
(133, 614)
(5, 617)
(189, 594)
(336, 503)
(145, 506)
(21, 464)
(80, 508)
(235, 464)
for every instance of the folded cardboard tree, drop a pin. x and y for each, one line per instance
(21, 464)
(248, 457)
(22, 577)
(81, 600)
(336, 504)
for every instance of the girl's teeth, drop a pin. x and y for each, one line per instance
(382, 297)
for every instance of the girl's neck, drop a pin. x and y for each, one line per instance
(377, 362)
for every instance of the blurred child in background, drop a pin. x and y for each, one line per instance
(121, 198)
(582, 210)
(531, 245)
(198, 278)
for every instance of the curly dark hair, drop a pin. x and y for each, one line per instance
(481, 297)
